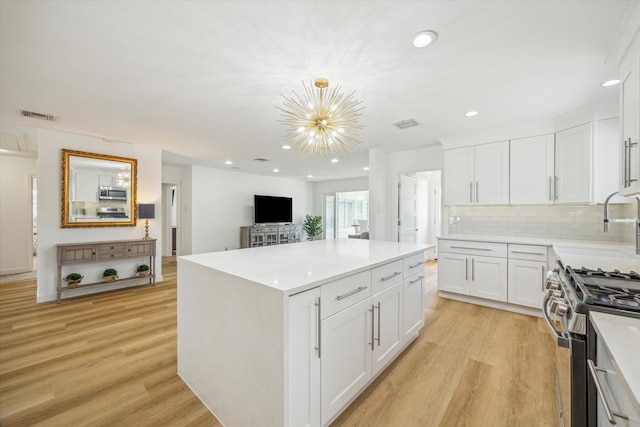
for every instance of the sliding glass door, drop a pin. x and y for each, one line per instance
(346, 214)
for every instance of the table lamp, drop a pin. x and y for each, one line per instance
(146, 212)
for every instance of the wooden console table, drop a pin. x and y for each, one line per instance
(91, 252)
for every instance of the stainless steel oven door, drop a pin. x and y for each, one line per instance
(563, 364)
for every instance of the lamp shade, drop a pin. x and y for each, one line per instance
(146, 211)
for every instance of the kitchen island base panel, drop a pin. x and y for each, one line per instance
(231, 345)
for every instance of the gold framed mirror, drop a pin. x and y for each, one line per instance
(98, 190)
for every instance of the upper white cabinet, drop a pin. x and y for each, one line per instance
(86, 187)
(630, 120)
(573, 165)
(532, 171)
(477, 175)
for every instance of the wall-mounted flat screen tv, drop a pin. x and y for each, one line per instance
(269, 209)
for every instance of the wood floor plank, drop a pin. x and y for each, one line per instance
(109, 359)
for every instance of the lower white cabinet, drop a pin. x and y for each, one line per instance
(526, 282)
(347, 339)
(413, 307)
(470, 274)
(387, 327)
(304, 359)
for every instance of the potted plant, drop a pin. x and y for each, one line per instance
(109, 275)
(73, 280)
(312, 225)
(143, 270)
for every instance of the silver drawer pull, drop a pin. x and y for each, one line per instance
(417, 280)
(466, 247)
(348, 294)
(610, 414)
(527, 253)
(391, 277)
(417, 264)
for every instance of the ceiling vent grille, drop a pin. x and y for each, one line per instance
(404, 124)
(40, 116)
(260, 159)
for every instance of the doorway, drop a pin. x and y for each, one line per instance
(420, 209)
(346, 214)
(171, 235)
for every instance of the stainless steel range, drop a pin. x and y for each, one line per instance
(106, 212)
(570, 295)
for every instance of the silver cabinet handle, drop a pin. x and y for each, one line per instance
(550, 188)
(543, 277)
(625, 165)
(378, 339)
(319, 330)
(631, 144)
(466, 269)
(477, 191)
(348, 294)
(417, 280)
(610, 414)
(470, 192)
(372, 322)
(555, 188)
(417, 264)
(527, 253)
(472, 272)
(384, 279)
(466, 247)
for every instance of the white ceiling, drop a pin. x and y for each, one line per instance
(202, 79)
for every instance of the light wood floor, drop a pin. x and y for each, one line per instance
(110, 359)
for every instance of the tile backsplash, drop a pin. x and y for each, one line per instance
(580, 222)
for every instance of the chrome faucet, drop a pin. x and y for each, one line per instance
(635, 220)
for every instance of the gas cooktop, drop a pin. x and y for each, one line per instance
(610, 289)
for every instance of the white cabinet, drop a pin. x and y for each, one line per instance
(527, 271)
(387, 327)
(462, 270)
(630, 120)
(532, 170)
(573, 165)
(477, 174)
(86, 187)
(347, 340)
(304, 359)
(413, 297)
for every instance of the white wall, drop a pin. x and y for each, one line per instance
(50, 233)
(219, 202)
(16, 230)
(385, 169)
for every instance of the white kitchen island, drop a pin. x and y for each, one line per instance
(289, 335)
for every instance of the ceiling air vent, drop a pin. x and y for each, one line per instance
(41, 116)
(406, 124)
(260, 159)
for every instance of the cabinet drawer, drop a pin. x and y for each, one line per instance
(386, 275)
(343, 293)
(78, 254)
(141, 249)
(413, 265)
(111, 251)
(528, 252)
(473, 248)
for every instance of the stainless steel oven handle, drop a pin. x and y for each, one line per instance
(610, 414)
(562, 340)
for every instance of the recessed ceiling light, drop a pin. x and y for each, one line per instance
(611, 82)
(365, 168)
(424, 38)
(334, 160)
(228, 162)
(309, 176)
(276, 170)
(470, 113)
(286, 147)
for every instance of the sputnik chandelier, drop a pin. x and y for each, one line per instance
(322, 121)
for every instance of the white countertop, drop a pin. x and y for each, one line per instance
(295, 267)
(622, 337)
